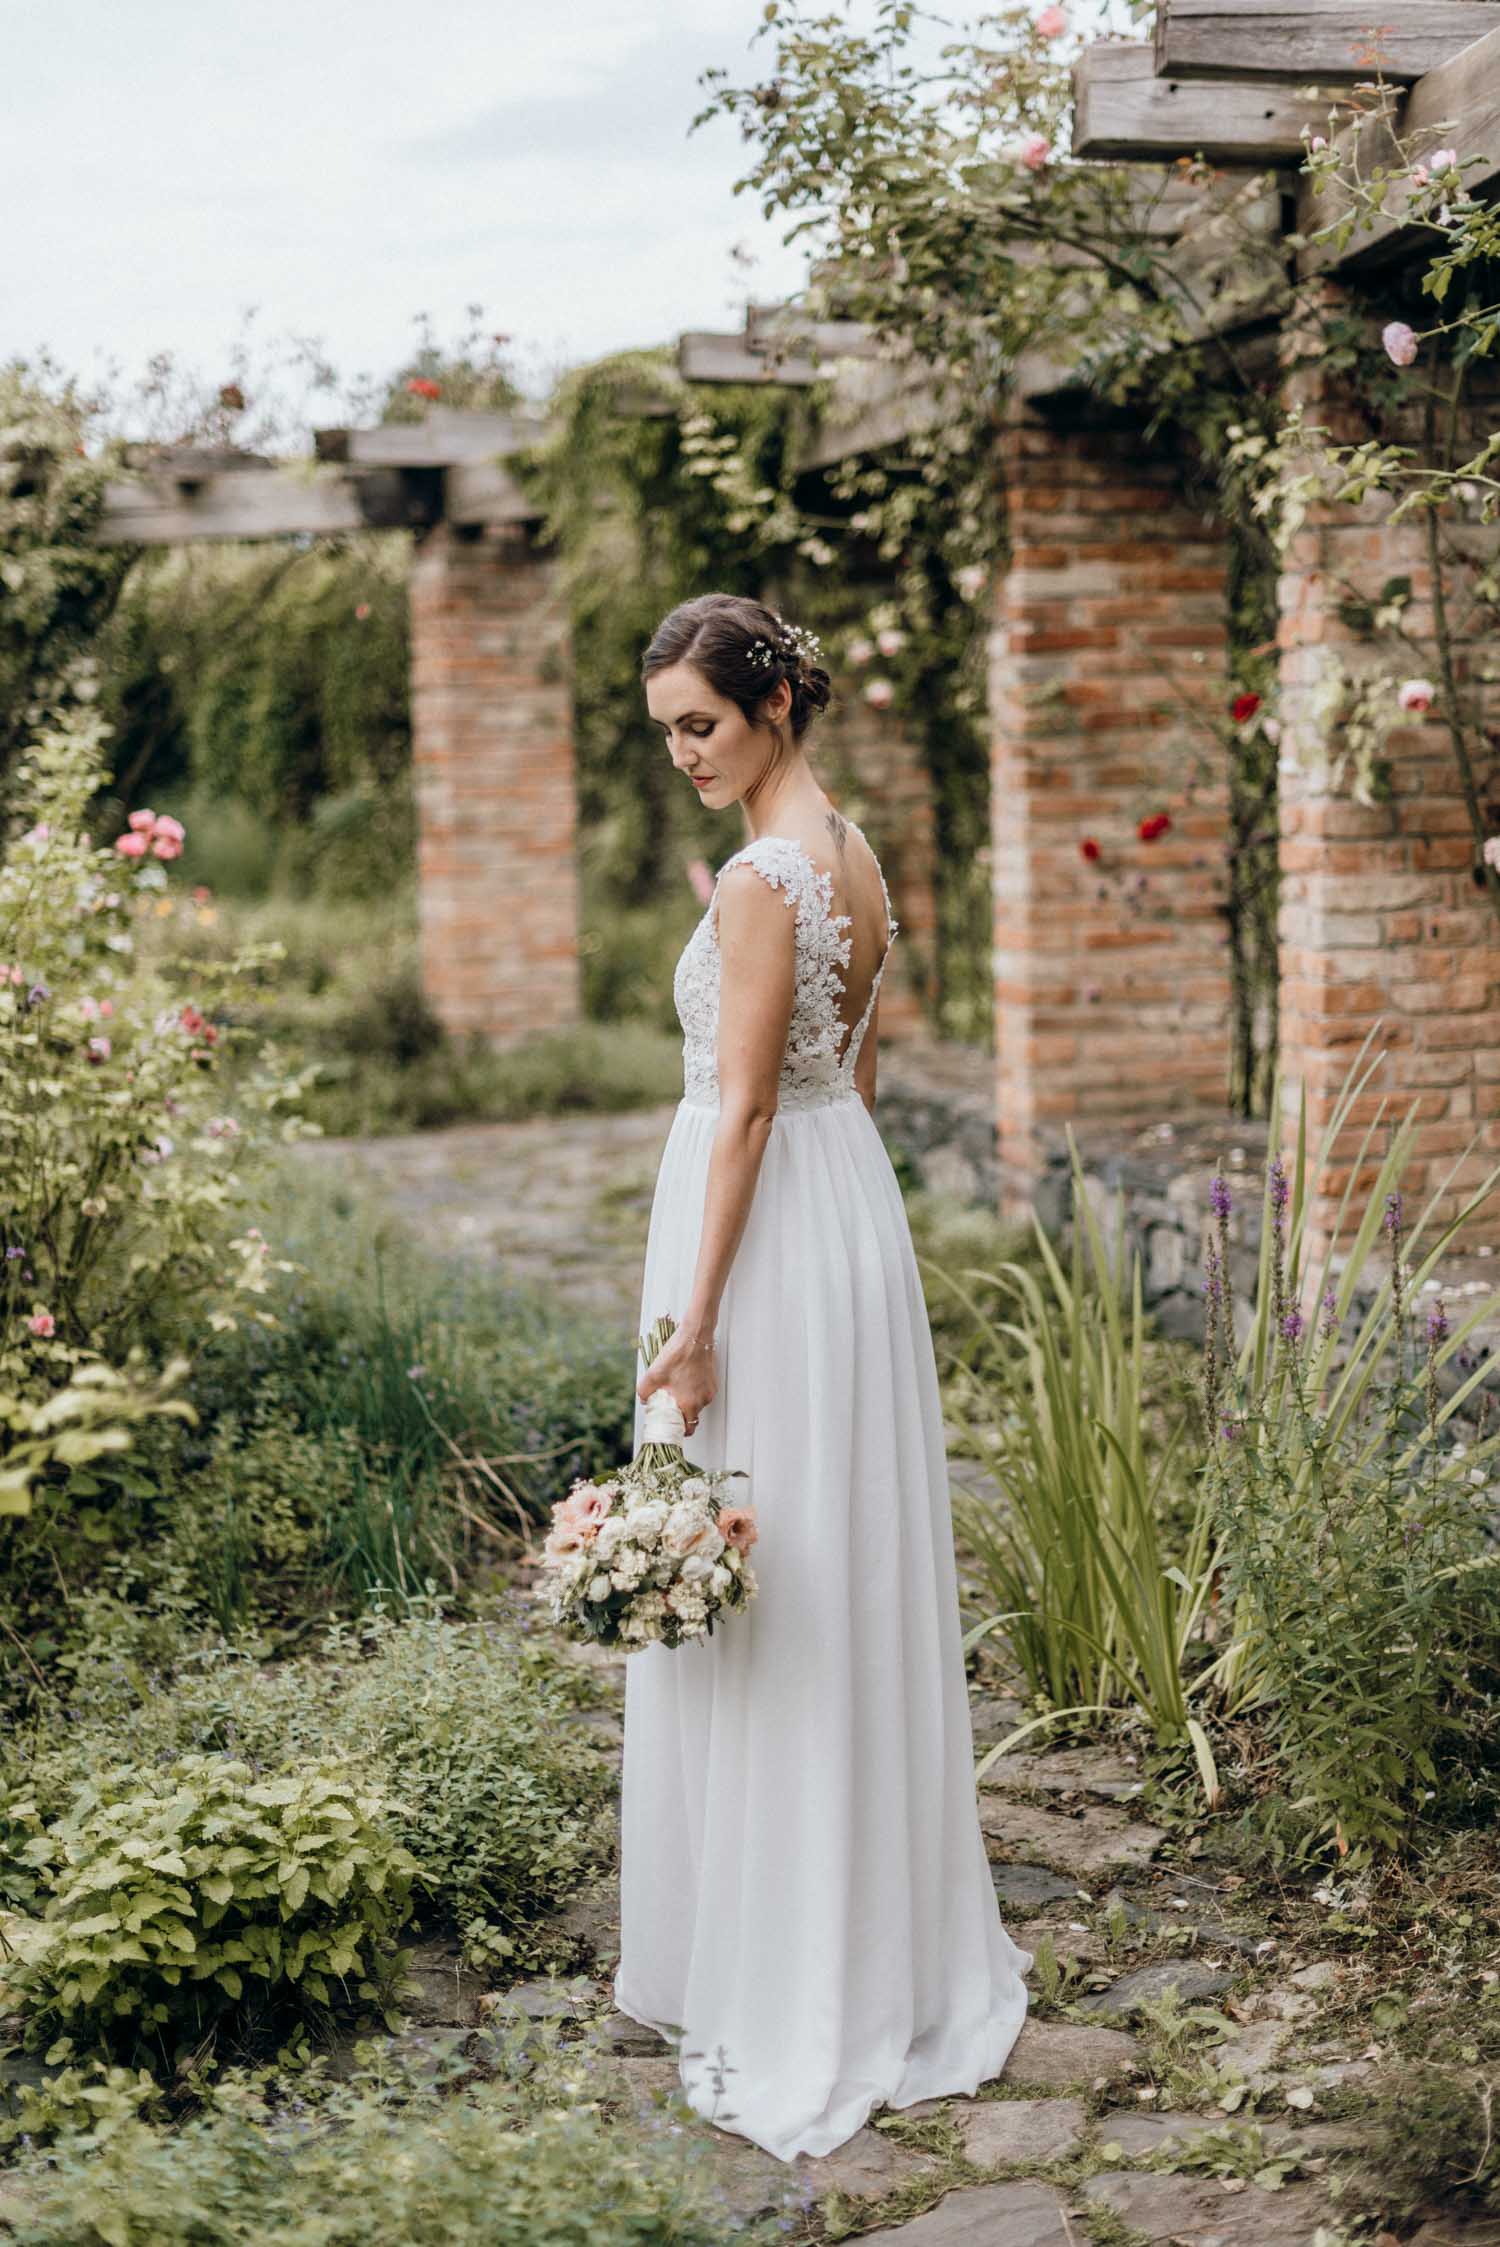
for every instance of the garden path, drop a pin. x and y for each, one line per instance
(1229, 2114)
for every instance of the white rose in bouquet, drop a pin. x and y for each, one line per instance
(691, 1529)
(643, 1523)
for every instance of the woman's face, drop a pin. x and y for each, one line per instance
(711, 741)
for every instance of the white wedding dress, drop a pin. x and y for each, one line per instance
(803, 1884)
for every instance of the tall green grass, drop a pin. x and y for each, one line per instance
(1099, 1579)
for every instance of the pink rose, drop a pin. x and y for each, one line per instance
(890, 641)
(1051, 23)
(165, 846)
(563, 1541)
(859, 652)
(99, 1049)
(167, 825)
(880, 694)
(42, 1323)
(583, 1511)
(1034, 151)
(131, 846)
(1443, 160)
(1400, 342)
(142, 821)
(737, 1527)
(1416, 694)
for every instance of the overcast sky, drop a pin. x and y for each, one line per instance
(168, 165)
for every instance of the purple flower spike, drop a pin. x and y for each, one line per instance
(1330, 1319)
(1279, 1187)
(1392, 1219)
(1220, 1200)
(1437, 1323)
(1292, 1324)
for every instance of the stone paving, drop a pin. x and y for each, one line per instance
(1072, 2129)
(561, 1202)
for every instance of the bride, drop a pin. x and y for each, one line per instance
(804, 1893)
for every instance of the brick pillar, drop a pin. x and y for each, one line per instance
(1111, 977)
(866, 760)
(1383, 917)
(492, 756)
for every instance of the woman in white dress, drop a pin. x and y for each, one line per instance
(805, 1897)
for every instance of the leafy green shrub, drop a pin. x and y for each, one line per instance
(1432, 2137)
(462, 1729)
(119, 1190)
(392, 2159)
(201, 1894)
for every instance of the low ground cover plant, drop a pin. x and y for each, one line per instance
(461, 1736)
(204, 1894)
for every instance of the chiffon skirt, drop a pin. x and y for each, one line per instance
(804, 1890)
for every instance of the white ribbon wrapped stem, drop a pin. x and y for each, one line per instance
(664, 1422)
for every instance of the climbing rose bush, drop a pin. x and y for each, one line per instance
(120, 1154)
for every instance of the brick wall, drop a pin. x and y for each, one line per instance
(492, 754)
(1383, 924)
(1111, 982)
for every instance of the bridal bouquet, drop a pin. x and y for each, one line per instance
(654, 1552)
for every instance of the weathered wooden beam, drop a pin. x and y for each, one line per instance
(785, 329)
(874, 403)
(703, 356)
(161, 510)
(1332, 41)
(1122, 109)
(449, 435)
(1460, 102)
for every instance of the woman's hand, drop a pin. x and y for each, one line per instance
(687, 1366)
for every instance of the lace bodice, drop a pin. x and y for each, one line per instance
(812, 1070)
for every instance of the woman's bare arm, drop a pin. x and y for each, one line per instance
(757, 968)
(757, 983)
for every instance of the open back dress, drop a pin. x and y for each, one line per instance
(805, 1896)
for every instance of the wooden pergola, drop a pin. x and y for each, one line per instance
(1114, 594)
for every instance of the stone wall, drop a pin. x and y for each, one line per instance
(1111, 983)
(492, 757)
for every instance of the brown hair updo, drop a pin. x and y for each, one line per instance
(743, 650)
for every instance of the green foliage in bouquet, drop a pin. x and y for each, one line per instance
(202, 1895)
(119, 1185)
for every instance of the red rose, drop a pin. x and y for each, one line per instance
(1090, 850)
(421, 386)
(1157, 824)
(1244, 706)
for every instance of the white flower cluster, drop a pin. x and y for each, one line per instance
(797, 642)
(652, 1554)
